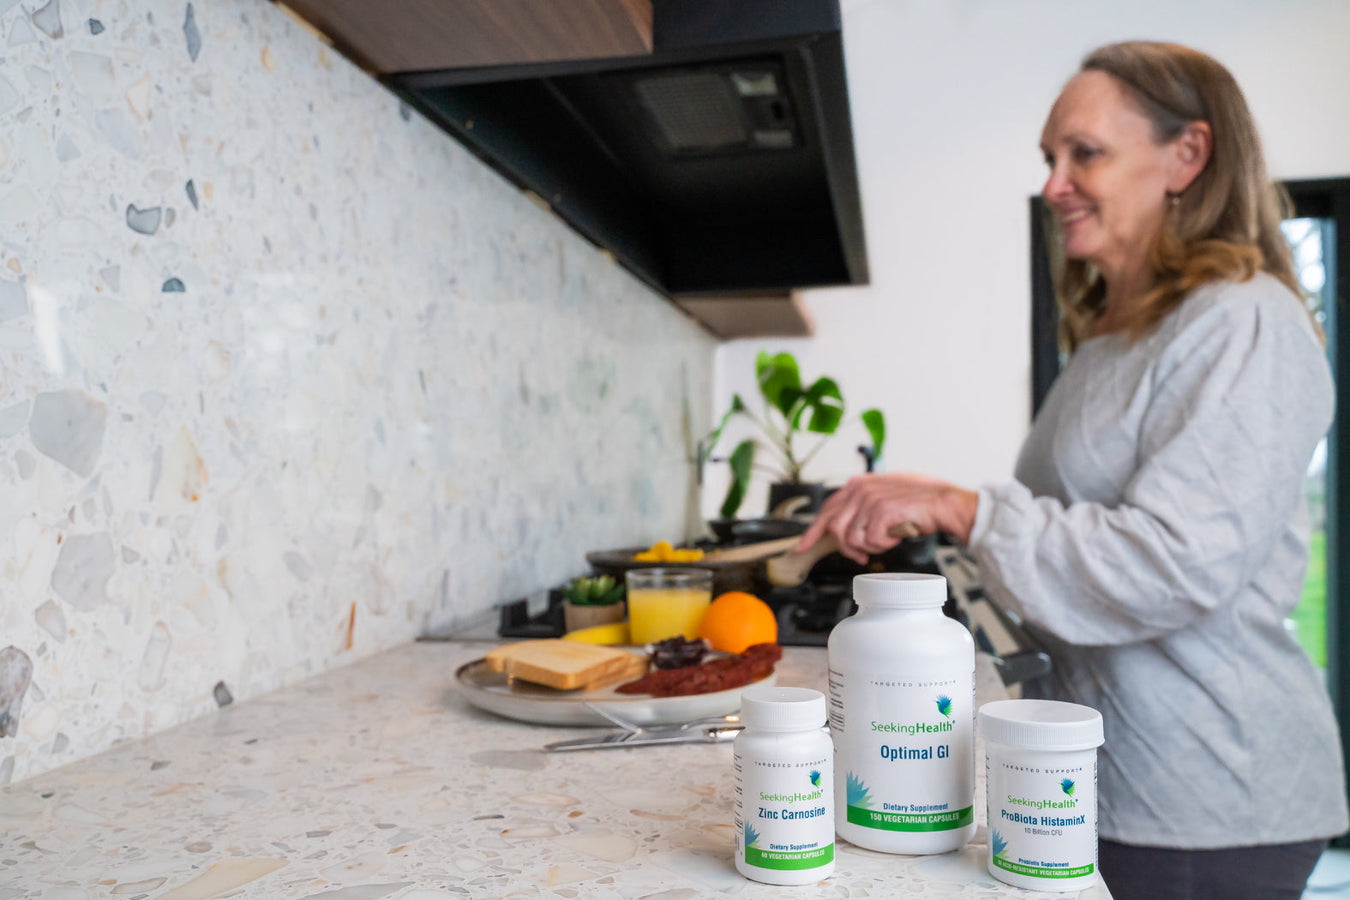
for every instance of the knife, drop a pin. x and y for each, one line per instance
(713, 730)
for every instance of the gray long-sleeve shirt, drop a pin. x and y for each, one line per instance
(1156, 538)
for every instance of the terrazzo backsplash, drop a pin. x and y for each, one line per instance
(286, 375)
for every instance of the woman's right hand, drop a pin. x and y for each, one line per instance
(861, 514)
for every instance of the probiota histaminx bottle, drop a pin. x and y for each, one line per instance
(902, 698)
(1041, 763)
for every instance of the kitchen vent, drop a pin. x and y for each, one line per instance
(724, 111)
(718, 111)
(693, 112)
(720, 164)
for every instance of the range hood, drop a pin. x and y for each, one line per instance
(719, 164)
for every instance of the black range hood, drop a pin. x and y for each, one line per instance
(720, 164)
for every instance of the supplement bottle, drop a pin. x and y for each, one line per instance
(784, 787)
(1041, 763)
(902, 697)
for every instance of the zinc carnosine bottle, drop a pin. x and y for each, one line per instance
(902, 697)
(784, 787)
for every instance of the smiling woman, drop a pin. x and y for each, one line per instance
(1154, 538)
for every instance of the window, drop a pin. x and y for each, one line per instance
(1311, 239)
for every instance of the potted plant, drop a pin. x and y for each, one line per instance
(791, 411)
(589, 601)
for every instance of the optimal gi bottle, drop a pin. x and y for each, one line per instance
(784, 781)
(902, 697)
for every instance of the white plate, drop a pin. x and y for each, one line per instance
(516, 699)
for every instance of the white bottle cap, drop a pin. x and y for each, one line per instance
(1041, 724)
(782, 708)
(900, 590)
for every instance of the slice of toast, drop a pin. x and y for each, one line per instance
(636, 667)
(565, 665)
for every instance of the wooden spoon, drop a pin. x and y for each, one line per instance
(791, 569)
(750, 552)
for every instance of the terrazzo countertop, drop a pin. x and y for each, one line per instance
(378, 780)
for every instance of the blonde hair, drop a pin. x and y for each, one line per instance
(1224, 225)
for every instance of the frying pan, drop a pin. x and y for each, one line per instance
(734, 568)
(751, 567)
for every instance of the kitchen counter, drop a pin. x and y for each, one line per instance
(377, 780)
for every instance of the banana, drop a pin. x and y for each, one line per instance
(614, 633)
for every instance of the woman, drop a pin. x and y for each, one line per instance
(1155, 536)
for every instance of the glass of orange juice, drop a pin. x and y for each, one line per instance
(665, 602)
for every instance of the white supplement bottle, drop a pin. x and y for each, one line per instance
(784, 787)
(1041, 763)
(902, 698)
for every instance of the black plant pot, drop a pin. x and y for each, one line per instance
(785, 490)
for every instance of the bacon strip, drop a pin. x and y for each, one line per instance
(714, 675)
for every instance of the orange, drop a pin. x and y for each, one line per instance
(736, 620)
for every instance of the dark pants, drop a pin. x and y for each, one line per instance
(1267, 872)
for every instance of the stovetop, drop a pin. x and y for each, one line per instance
(806, 613)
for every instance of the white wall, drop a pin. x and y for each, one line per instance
(948, 100)
(343, 384)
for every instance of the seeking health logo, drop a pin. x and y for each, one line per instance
(815, 778)
(944, 705)
(1067, 786)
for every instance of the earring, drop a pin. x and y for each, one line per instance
(1175, 199)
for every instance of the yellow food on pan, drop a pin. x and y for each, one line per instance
(662, 551)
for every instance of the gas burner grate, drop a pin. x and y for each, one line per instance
(808, 612)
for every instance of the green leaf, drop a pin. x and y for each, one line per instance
(826, 405)
(737, 406)
(792, 401)
(742, 460)
(875, 422)
(779, 380)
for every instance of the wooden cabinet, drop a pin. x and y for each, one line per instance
(386, 36)
(766, 315)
